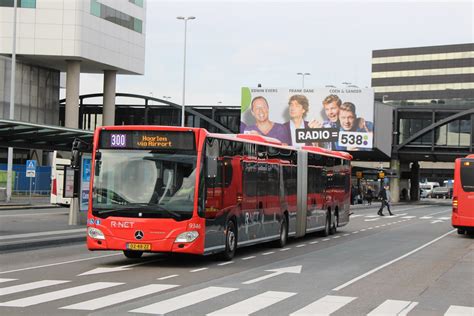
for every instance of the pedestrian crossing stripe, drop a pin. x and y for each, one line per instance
(184, 300)
(321, 306)
(29, 286)
(56, 295)
(120, 297)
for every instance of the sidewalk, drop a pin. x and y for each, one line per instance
(24, 202)
(26, 224)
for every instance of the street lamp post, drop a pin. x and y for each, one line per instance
(302, 74)
(11, 115)
(185, 19)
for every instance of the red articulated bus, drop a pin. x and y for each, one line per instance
(184, 190)
(463, 195)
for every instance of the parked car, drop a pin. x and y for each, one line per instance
(442, 192)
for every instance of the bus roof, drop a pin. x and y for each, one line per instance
(245, 137)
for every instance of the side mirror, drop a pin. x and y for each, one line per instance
(211, 167)
(76, 159)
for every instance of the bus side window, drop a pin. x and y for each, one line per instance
(212, 153)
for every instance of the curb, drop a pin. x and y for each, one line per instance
(29, 244)
(12, 207)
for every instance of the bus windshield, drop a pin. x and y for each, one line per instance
(144, 183)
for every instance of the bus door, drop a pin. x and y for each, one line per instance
(273, 210)
(215, 221)
(249, 202)
(263, 191)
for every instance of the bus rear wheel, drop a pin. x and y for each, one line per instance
(283, 233)
(327, 226)
(335, 223)
(230, 242)
(132, 254)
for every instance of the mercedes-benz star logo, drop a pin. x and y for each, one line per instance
(138, 234)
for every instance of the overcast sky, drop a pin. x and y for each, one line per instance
(242, 43)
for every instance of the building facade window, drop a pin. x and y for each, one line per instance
(117, 17)
(137, 2)
(20, 3)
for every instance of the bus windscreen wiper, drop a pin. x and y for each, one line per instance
(149, 207)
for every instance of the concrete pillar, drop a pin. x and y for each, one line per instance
(72, 93)
(415, 182)
(395, 181)
(108, 115)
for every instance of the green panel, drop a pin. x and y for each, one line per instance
(137, 25)
(95, 8)
(28, 4)
(3, 178)
(245, 99)
(139, 3)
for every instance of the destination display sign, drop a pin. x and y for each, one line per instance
(166, 140)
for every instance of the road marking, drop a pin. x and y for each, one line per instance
(253, 304)
(372, 220)
(372, 216)
(168, 277)
(29, 286)
(56, 295)
(6, 280)
(456, 310)
(197, 270)
(120, 297)
(314, 242)
(393, 307)
(184, 300)
(118, 269)
(302, 245)
(248, 258)
(60, 263)
(426, 217)
(51, 233)
(267, 253)
(391, 262)
(444, 218)
(346, 235)
(437, 221)
(335, 237)
(355, 232)
(225, 263)
(408, 217)
(324, 306)
(370, 228)
(326, 239)
(448, 210)
(285, 249)
(276, 272)
(363, 230)
(358, 215)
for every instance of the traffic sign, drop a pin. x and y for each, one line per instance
(31, 168)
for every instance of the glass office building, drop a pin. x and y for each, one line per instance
(429, 74)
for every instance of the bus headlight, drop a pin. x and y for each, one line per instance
(95, 233)
(187, 236)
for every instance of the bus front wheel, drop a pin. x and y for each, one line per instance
(132, 254)
(230, 241)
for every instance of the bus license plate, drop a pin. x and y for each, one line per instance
(133, 246)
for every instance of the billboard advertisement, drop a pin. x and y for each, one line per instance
(333, 118)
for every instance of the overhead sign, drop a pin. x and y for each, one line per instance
(31, 168)
(332, 118)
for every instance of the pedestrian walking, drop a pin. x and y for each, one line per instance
(384, 196)
(369, 196)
